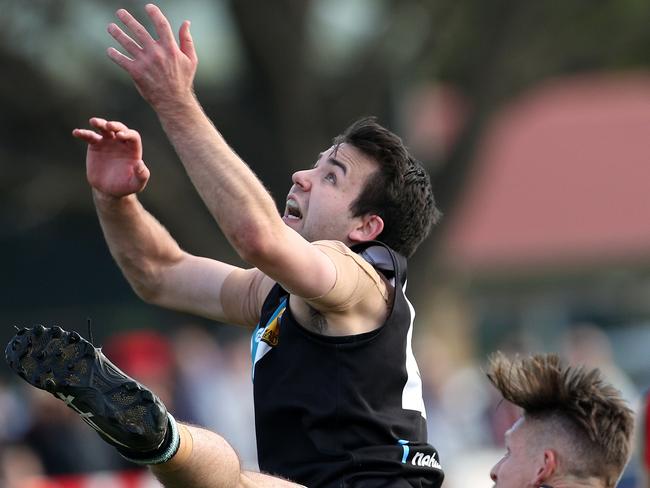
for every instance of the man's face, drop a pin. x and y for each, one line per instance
(318, 204)
(518, 467)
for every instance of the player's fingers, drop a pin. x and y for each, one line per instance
(102, 126)
(141, 34)
(121, 60)
(128, 135)
(116, 126)
(161, 24)
(187, 44)
(89, 136)
(98, 123)
(132, 47)
(141, 171)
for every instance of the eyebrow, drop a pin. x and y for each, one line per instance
(339, 164)
(333, 162)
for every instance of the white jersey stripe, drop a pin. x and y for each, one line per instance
(412, 393)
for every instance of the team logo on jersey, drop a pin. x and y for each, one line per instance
(417, 457)
(264, 339)
(425, 460)
(271, 334)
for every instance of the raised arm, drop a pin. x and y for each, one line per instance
(151, 260)
(163, 72)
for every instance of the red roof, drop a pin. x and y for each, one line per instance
(562, 176)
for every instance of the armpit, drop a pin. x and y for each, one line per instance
(356, 279)
(243, 294)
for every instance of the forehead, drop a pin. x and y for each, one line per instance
(354, 160)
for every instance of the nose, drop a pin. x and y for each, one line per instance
(302, 179)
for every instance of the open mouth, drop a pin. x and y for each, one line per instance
(292, 211)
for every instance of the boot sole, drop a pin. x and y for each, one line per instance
(124, 412)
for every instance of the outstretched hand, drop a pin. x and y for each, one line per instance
(114, 164)
(162, 70)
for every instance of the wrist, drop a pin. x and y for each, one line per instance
(107, 200)
(176, 106)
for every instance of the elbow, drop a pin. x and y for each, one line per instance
(147, 284)
(256, 246)
(146, 293)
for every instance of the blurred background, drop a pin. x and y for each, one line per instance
(533, 119)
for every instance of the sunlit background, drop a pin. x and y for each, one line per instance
(533, 119)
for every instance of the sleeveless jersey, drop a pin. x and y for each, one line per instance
(342, 411)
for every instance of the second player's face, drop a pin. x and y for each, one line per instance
(517, 467)
(318, 204)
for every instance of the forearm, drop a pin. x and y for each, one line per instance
(140, 245)
(163, 70)
(235, 197)
(240, 204)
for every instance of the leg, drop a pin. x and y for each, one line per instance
(126, 414)
(251, 479)
(206, 460)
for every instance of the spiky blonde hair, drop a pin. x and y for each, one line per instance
(572, 402)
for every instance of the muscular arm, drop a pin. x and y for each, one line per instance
(241, 206)
(151, 260)
(159, 271)
(163, 73)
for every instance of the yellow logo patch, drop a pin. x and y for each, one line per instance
(271, 333)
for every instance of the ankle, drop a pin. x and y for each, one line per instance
(184, 452)
(166, 451)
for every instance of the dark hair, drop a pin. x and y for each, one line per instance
(574, 403)
(399, 192)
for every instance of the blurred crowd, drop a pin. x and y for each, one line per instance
(205, 379)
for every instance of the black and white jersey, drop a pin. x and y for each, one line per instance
(342, 411)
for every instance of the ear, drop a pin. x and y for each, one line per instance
(546, 470)
(367, 229)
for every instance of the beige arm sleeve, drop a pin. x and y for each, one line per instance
(243, 294)
(356, 279)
